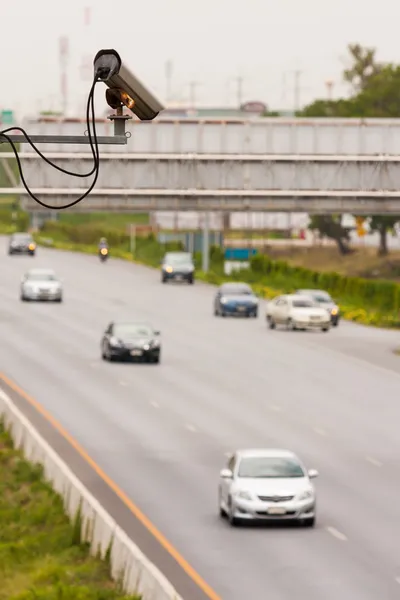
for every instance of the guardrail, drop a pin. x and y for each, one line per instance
(129, 566)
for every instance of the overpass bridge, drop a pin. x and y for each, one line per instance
(271, 164)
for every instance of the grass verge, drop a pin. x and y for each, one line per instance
(40, 558)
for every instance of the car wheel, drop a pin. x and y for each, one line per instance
(309, 522)
(23, 298)
(271, 323)
(156, 359)
(163, 280)
(335, 323)
(324, 329)
(291, 326)
(221, 511)
(191, 281)
(255, 314)
(233, 521)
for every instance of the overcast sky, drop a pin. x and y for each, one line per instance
(210, 42)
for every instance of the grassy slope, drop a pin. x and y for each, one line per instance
(38, 559)
(363, 262)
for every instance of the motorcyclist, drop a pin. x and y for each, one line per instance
(103, 243)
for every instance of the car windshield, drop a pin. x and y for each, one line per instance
(303, 303)
(320, 297)
(41, 277)
(22, 237)
(132, 330)
(236, 290)
(179, 259)
(269, 467)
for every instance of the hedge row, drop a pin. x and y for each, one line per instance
(384, 295)
(368, 301)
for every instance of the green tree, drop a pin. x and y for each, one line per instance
(330, 226)
(382, 224)
(363, 66)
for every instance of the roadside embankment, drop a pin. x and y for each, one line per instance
(62, 543)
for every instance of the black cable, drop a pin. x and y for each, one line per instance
(94, 147)
(48, 161)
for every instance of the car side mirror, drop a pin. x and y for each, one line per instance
(312, 473)
(226, 474)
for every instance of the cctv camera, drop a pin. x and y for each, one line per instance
(124, 87)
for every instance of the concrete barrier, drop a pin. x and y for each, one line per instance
(129, 566)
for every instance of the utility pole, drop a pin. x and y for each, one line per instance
(193, 85)
(297, 75)
(168, 78)
(239, 81)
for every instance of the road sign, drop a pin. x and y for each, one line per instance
(7, 117)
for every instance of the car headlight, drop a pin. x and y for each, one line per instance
(115, 341)
(146, 347)
(244, 495)
(307, 494)
(334, 311)
(155, 343)
(223, 300)
(169, 269)
(255, 300)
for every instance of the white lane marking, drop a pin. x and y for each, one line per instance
(122, 383)
(337, 534)
(275, 408)
(319, 430)
(397, 579)
(154, 404)
(373, 461)
(190, 427)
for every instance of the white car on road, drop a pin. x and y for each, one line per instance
(267, 485)
(41, 284)
(297, 312)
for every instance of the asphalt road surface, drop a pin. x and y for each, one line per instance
(162, 431)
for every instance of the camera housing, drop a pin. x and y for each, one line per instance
(124, 88)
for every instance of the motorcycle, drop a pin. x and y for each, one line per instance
(103, 254)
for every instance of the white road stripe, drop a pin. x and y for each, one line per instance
(337, 534)
(190, 427)
(319, 430)
(154, 404)
(397, 579)
(373, 461)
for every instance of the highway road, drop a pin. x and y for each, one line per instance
(162, 432)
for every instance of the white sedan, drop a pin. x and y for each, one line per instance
(297, 312)
(41, 284)
(267, 484)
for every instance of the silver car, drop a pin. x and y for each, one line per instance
(41, 284)
(267, 485)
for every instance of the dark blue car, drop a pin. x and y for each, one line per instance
(235, 299)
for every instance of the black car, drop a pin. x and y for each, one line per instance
(178, 266)
(21, 243)
(131, 340)
(235, 299)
